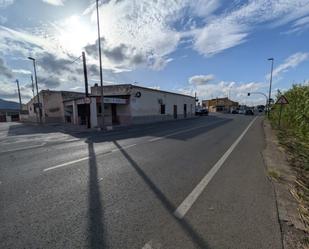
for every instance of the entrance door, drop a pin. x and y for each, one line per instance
(114, 114)
(185, 110)
(175, 111)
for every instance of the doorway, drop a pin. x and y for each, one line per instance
(175, 111)
(114, 114)
(185, 110)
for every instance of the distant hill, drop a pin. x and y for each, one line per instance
(4, 104)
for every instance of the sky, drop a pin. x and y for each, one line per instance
(216, 48)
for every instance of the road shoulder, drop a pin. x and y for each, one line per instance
(294, 231)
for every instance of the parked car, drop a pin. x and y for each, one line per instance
(249, 112)
(242, 111)
(235, 112)
(202, 112)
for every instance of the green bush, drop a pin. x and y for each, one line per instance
(295, 115)
(294, 128)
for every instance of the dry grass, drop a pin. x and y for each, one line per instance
(274, 174)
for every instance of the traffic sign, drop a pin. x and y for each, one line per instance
(282, 100)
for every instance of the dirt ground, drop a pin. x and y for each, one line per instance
(291, 191)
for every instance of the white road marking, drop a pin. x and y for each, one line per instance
(179, 132)
(87, 157)
(66, 164)
(184, 207)
(147, 246)
(24, 148)
(72, 140)
(124, 147)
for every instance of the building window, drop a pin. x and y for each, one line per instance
(162, 109)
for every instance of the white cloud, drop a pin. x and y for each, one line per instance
(291, 62)
(299, 26)
(201, 79)
(235, 91)
(21, 71)
(55, 2)
(233, 27)
(5, 3)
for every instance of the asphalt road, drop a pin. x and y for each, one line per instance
(198, 183)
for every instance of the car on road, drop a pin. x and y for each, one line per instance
(242, 111)
(235, 112)
(249, 112)
(201, 112)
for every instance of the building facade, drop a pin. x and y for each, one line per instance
(130, 104)
(51, 103)
(123, 105)
(220, 105)
(9, 115)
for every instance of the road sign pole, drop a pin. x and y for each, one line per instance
(280, 113)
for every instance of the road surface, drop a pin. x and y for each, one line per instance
(197, 183)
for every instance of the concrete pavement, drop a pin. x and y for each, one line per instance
(121, 189)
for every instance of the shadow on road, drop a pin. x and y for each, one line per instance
(155, 129)
(95, 209)
(188, 229)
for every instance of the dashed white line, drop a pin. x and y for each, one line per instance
(86, 158)
(184, 207)
(124, 147)
(23, 148)
(66, 164)
(179, 132)
(147, 246)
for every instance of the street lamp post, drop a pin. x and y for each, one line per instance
(270, 82)
(37, 89)
(32, 85)
(101, 73)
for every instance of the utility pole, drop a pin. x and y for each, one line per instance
(37, 89)
(85, 74)
(270, 82)
(101, 73)
(86, 89)
(32, 84)
(20, 104)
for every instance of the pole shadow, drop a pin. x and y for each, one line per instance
(95, 210)
(187, 228)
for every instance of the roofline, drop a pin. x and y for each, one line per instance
(163, 91)
(148, 88)
(219, 99)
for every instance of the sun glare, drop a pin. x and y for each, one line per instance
(74, 34)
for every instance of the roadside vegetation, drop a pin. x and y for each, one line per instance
(293, 135)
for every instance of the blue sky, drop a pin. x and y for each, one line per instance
(213, 47)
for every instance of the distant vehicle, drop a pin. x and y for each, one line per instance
(261, 110)
(242, 111)
(235, 112)
(249, 112)
(201, 112)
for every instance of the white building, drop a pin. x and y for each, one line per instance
(123, 105)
